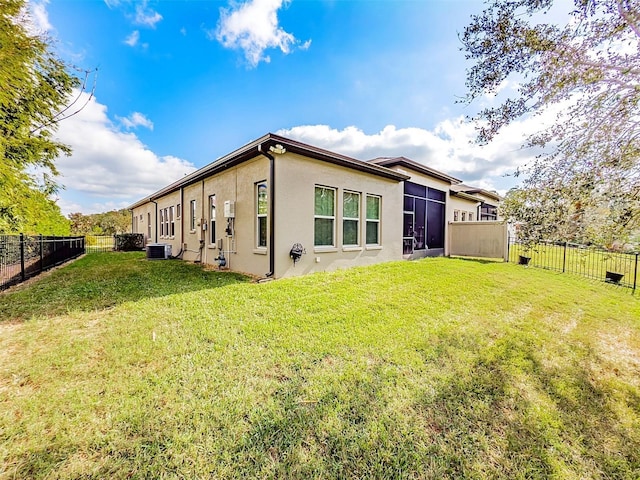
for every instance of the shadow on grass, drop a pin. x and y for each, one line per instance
(510, 415)
(480, 260)
(103, 280)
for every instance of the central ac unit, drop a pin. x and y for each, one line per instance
(158, 251)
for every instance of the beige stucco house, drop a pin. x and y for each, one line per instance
(277, 207)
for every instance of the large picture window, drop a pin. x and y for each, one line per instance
(262, 208)
(350, 218)
(324, 217)
(192, 215)
(373, 220)
(212, 219)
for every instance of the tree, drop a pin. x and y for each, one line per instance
(34, 88)
(586, 183)
(107, 223)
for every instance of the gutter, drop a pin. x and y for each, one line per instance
(156, 222)
(272, 209)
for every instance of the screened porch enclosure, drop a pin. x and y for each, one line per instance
(424, 220)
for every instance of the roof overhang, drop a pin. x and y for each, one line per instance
(413, 165)
(262, 144)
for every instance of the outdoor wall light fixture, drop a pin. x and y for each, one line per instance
(296, 252)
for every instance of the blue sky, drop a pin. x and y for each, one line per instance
(183, 82)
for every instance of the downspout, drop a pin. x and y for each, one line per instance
(156, 221)
(181, 218)
(272, 210)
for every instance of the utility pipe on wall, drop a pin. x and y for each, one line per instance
(156, 221)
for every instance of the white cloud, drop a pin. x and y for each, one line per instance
(132, 40)
(253, 27)
(37, 22)
(449, 147)
(136, 119)
(109, 165)
(146, 16)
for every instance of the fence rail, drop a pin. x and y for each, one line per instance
(614, 267)
(23, 257)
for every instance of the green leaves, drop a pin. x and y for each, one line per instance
(589, 68)
(34, 87)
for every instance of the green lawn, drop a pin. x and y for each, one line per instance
(117, 367)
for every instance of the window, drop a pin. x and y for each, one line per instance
(262, 209)
(166, 222)
(373, 220)
(464, 216)
(350, 218)
(456, 215)
(148, 225)
(212, 219)
(192, 215)
(161, 223)
(178, 211)
(324, 217)
(172, 222)
(471, 216)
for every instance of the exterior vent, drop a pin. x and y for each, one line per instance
(158, 251)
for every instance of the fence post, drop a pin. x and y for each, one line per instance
(22, 273)
(564, 257)
(635, 274)
(41, 254)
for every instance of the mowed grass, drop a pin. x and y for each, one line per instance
(117, 367)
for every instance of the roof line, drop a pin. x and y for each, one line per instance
(250, 150)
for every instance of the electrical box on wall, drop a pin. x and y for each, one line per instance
(229, 209)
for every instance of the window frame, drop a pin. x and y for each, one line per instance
(172, 222)
(325, 217)
(161, 223)
(192, 215)
(261, 216)
(377, 221)
(345, 218)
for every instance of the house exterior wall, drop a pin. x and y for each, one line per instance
(145, 216)
(460, 205)
(296, 179)
(238, 184)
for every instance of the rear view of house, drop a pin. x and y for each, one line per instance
(277, 207)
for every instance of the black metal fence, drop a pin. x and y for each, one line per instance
(619, 268)
(100, 243)
(23, 257)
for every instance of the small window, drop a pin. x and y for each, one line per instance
(456, 215)
(351, 218)
(148, 225)
(373, 220)
(212, 219)
(166, 222)
(262, 209)
(172, 222)
(471, 216)
(324, 217)
(464, 216)
(161, 223)
(192, 215)
(179, 211)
